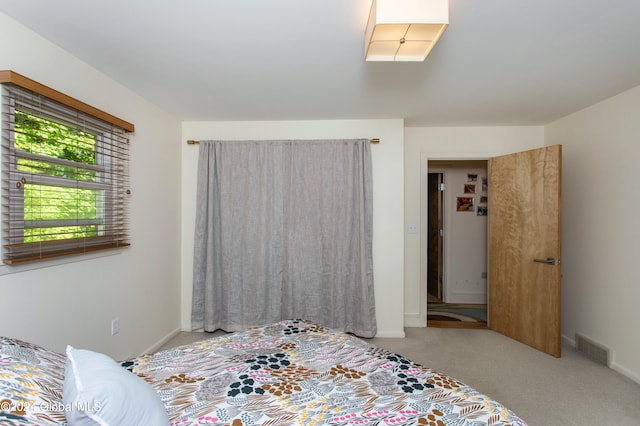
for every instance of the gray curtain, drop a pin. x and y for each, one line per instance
(284, 230)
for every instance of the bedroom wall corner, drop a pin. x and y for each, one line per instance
(73, 301)
(600, 236)
(388, 193)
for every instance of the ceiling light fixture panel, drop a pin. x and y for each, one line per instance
(404, 30)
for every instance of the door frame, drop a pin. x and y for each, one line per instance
(425, 157)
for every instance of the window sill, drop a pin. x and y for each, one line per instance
(23, 267)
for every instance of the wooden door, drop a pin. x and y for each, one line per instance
(524, 247)
(434, 236)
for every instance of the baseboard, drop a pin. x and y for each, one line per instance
(464, 297)
(569, 341)
(626, 372)
(394, 334)
(415, 320)
(165, 339)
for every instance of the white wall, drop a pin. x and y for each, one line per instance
(445, 143)
(387, 159)
(73, 303)
(465, 236)
(601, 291)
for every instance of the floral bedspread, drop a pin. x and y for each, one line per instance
(299, 373)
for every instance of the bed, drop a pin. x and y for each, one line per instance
(293, 372)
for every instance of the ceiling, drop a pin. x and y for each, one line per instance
(500, 62)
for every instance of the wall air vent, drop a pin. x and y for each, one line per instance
(594, 350)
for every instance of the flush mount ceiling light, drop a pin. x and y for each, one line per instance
(404, 30)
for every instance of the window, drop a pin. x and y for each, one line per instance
(65, 177)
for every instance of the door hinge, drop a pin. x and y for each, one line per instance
(441, 188)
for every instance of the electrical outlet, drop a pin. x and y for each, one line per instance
(412, 228)
(115, 326)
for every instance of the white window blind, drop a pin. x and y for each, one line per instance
(65, 179)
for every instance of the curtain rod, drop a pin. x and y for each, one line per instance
(193, 142)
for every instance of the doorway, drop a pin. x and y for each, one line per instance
(523, 266)
(456, 247)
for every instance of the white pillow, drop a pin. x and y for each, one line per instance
(99, 391)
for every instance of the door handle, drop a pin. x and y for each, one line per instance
(548, 261)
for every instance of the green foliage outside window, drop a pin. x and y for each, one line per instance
(46, 202)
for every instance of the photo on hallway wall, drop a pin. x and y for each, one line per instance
(464, 204)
